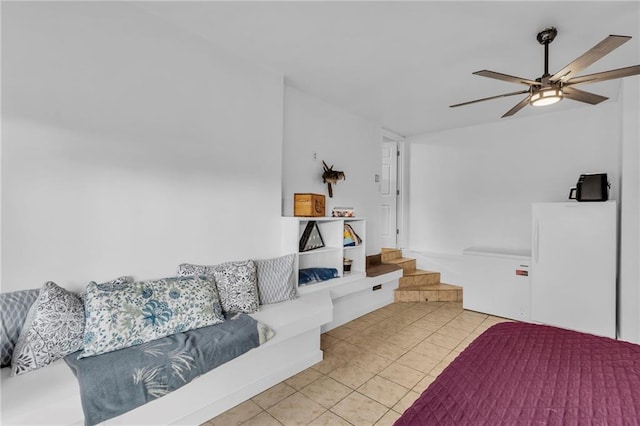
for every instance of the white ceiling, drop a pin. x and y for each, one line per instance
(402, 63)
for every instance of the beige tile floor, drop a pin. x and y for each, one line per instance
(374, 367)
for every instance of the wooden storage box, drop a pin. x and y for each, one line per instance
(308, 205)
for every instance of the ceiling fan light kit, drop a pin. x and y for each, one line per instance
(545, 97)
(549, 89)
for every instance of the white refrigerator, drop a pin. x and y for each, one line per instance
(573, 271)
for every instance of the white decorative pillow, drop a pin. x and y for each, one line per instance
(137, 313)
(236, 282)
(52, 330)
(189, 270)
(276, 279)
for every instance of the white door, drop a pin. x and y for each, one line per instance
(389, 194)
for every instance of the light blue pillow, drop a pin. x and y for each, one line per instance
(126, 315)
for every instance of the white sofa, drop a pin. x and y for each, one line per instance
(51, 396)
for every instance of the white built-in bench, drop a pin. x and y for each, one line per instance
(51, 396)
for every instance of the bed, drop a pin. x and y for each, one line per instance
(518, 373)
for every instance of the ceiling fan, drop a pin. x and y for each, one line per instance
(550, 89)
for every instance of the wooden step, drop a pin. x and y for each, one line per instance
(405, 263)
(375, 266)
(419, 277)
(390, 254)
(429, 293)
(438, 286)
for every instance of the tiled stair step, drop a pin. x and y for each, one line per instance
(418, 277)
(390, 254)
(405, 263)
(439, 286)
(375, 266)
(429, 293)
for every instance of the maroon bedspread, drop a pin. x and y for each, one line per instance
(522, 374)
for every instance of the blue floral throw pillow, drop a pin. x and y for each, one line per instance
(121, 316)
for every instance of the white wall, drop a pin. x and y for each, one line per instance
(474, 186)
(348, 142)
(629, 276)
(128, 147)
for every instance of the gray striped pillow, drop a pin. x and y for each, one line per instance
(14, 308)
(276, 279)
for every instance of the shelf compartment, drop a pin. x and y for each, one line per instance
(319, 251)
(327, 258)
(331, 255)
(330, 231)
(333, 283)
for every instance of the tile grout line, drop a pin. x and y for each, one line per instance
(389, 322)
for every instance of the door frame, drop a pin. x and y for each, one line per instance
(402, 185)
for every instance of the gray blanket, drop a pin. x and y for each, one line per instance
(116, 382)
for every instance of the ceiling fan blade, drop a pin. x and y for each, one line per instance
(490, 97)
(523, 103)
(582, 96)
(506, 77)
(601, 49)
(605, 75)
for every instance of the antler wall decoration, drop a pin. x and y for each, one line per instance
(330, 177)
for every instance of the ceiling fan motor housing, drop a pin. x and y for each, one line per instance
(548, 92)
(547, 35)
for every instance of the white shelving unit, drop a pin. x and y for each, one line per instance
(357, 253)
(352, 294)
(329, 256)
